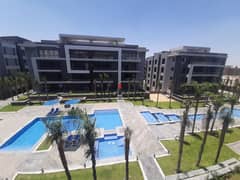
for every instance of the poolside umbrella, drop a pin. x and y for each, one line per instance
(72, 101)
(51, 102)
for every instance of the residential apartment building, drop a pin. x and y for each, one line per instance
(12, 57)
(74, 62)
(183, 65)
(231, 76)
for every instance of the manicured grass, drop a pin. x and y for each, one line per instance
(10, 108)
(22, 98)
(162, 105)
(112, 172)
(45, 144)
(191, 149)
(100, 101)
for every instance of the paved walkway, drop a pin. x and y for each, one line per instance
(235, 147)
(150, 168)
(162, 97)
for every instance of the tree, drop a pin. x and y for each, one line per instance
(103, 77)
(207, 122)
(225, 116)
(56, 134)
(171, 94)
(158, 92)
(184, 123)
(134, 89)
(129, 88)
(127, 136)
(45, 87)
(217, 102)
(89, 137)
(232, 101)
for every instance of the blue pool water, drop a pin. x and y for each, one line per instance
(161, 117)
(236, 113)
(149, 117)
(107, 119)
(173, 117)
(199, 117)
(110, 146)
(26, 138)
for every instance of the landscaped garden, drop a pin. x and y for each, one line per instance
(191, 150)
(11, 108)
(112, 172)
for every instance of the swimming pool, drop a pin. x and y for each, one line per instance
(149, 117)
(236, 113)
(173, 117)
(26, 138)
(107, 119)
(161, 117)
(109, 146)
(199, 117)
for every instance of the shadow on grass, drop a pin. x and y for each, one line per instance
(196, 136)
(186, 143)
(214, 134)
(230, 131)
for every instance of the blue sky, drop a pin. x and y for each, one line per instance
(156, 24)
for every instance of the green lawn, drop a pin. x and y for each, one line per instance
(191, 149)
(100, 101)
(45, 144)
(10, 108)
(22, 98)
(112, 172)
(162, 105)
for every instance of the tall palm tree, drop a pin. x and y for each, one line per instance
(198, 90)
(225, 115)
(232, 101)
(127, 136)
(90, 136)
(217, 102)
(129, 88)
(207, 122)
(134, 89)
(56, 134)
(170, 94)
(184, 123)
(158, 93)
(45, 87)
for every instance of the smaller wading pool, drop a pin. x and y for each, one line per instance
(156, 118)
(199, 117)
(110, 146)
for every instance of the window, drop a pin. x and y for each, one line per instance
(171, 78)
(148, 75)
(162, 69)
(155, 61)
(154, 76)
(149, 69)
(6, 61)
(155, 69)
(163, 61)
(172, 68)
(48, 53)
(149, 62)
(161, 78)
(148, 81)
(153, 83)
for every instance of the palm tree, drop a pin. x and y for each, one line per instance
(207, 122)
(225, 115)
(198, 90)
(217, 102)
(232, 101)
(127, 135)
(129, 88)
(95, 87)
(90, 136)
(184, 123)
(134, 89)
(158, 92)
(45, 87)
(170, 94)
(56, 134)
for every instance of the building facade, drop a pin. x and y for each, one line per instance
(183, 65)
(12, 56)
(75, 62)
